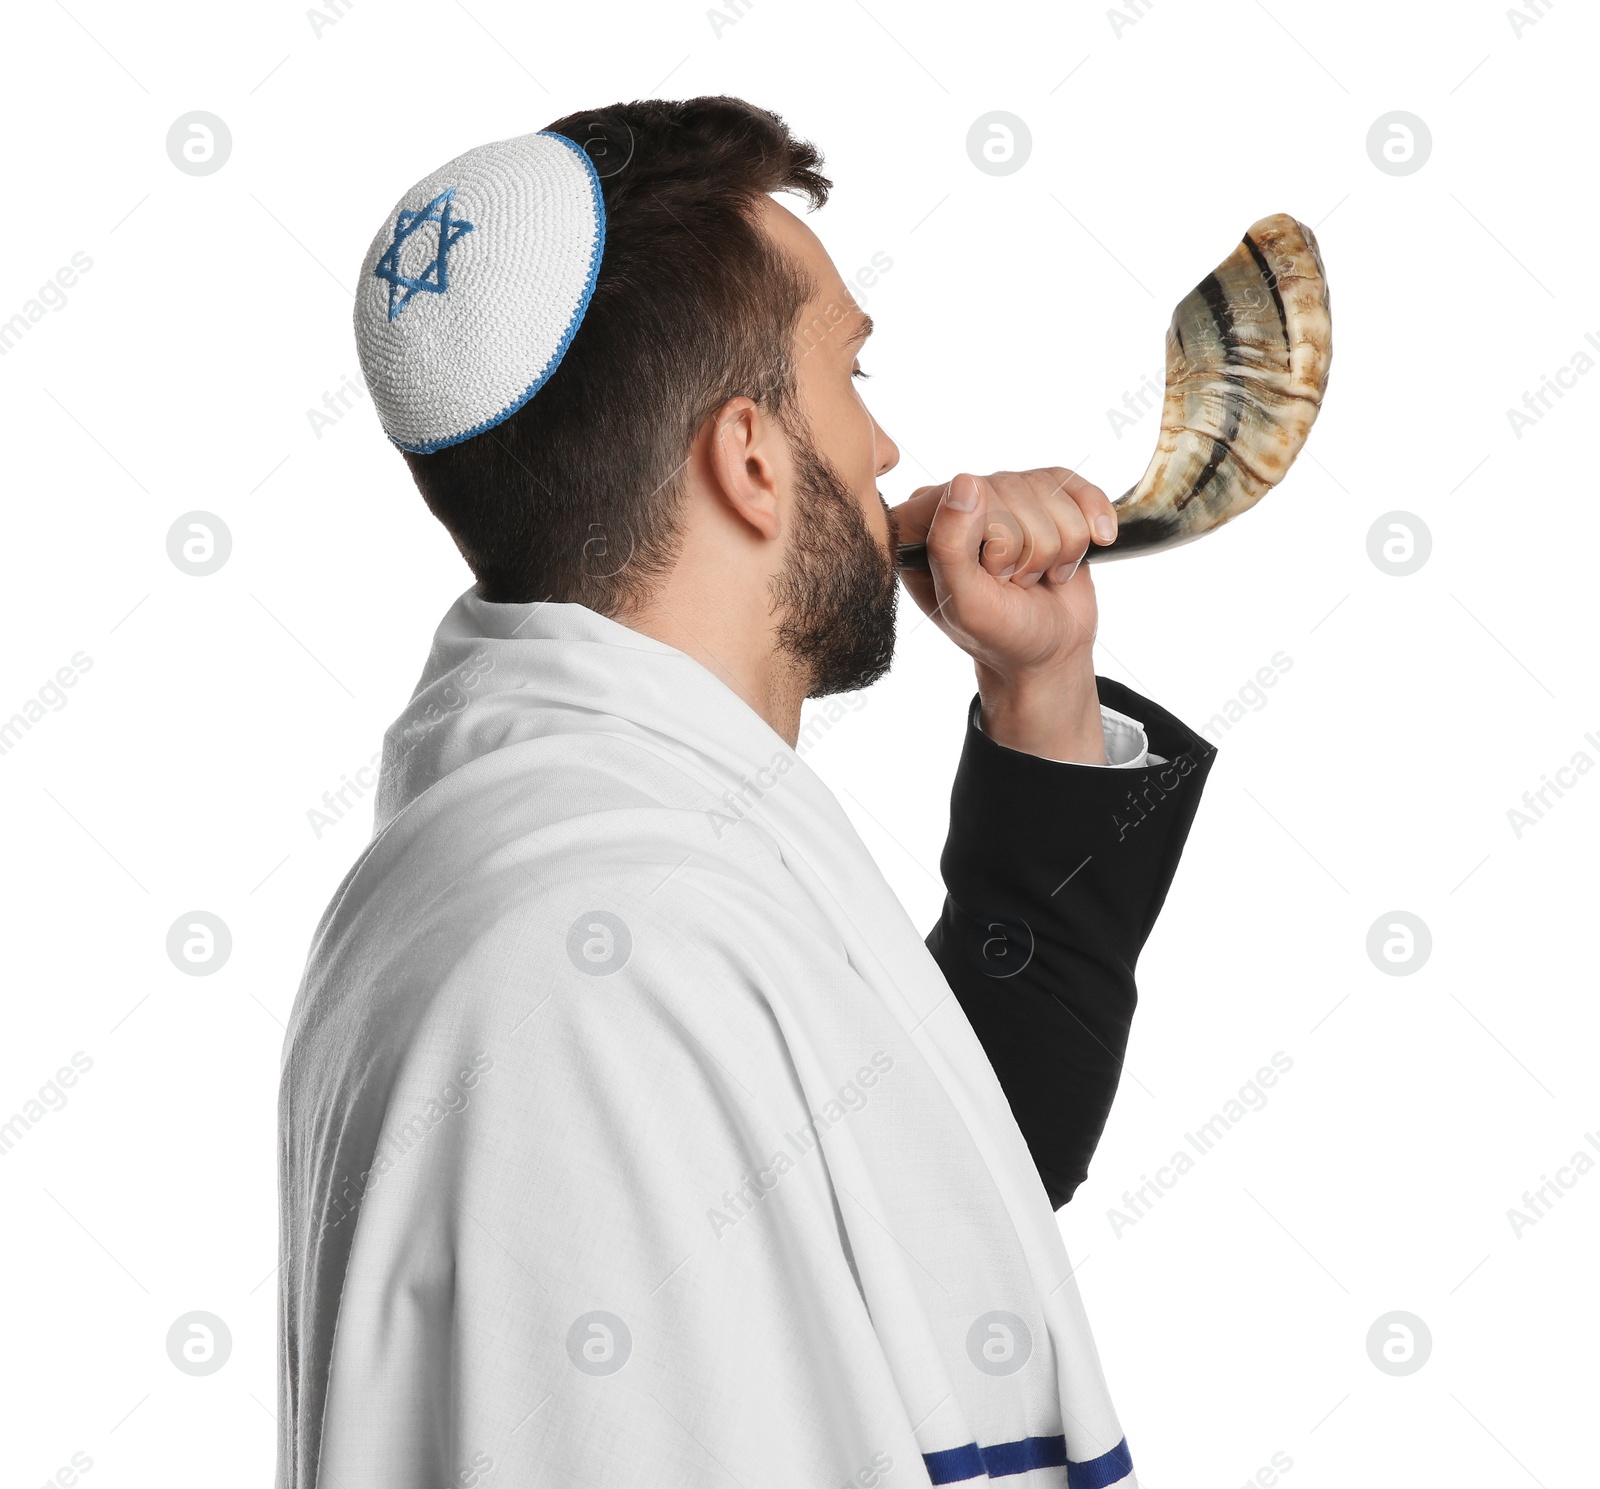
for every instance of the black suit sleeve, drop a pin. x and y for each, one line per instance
(1055, 874)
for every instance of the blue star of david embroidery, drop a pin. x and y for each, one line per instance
(433, 278)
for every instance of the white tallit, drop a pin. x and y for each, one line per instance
(629, 1132)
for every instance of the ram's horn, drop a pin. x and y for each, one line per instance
(1247, 361)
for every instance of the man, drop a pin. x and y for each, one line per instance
(630, 1134)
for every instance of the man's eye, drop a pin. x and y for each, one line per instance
(857, 372)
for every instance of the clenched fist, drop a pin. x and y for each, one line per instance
(1006, 583)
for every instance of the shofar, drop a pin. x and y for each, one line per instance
(1247, 362)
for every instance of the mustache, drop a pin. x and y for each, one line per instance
(894, 527)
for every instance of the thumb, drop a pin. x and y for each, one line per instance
(955, 536)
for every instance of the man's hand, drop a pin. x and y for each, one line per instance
(1006, 583)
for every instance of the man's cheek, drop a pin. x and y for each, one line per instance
(843, 438)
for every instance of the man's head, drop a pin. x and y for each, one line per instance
(702, 443)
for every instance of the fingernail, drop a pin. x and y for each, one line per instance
(1063, 572)
(966, 501)
(1105, 527)
(1006, 572)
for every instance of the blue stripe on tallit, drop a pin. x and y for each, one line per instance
(958, 1465)
(1097, 1473)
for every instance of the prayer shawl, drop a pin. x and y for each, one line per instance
(629, 1133)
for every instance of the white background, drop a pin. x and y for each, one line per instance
(1375, 776)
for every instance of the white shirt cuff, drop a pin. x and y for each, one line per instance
(1127, 747)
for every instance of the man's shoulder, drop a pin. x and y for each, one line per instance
(597, 902)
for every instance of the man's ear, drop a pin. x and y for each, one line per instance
(747, 461)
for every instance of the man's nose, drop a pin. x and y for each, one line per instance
(887, 450)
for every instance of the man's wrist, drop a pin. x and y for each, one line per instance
(1054, 714)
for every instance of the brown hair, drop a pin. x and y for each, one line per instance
(576, 495)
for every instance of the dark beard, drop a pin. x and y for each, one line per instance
(836, 593)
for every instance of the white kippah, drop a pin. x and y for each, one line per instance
(473, 290)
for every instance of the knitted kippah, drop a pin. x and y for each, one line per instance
(473, 290)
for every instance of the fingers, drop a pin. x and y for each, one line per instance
(1054, 511)
(1019, 537)
(1097, 508)
(1024, 526)
(1077, 511)
(1057, 562)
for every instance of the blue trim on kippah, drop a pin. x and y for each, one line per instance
(572, 325)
